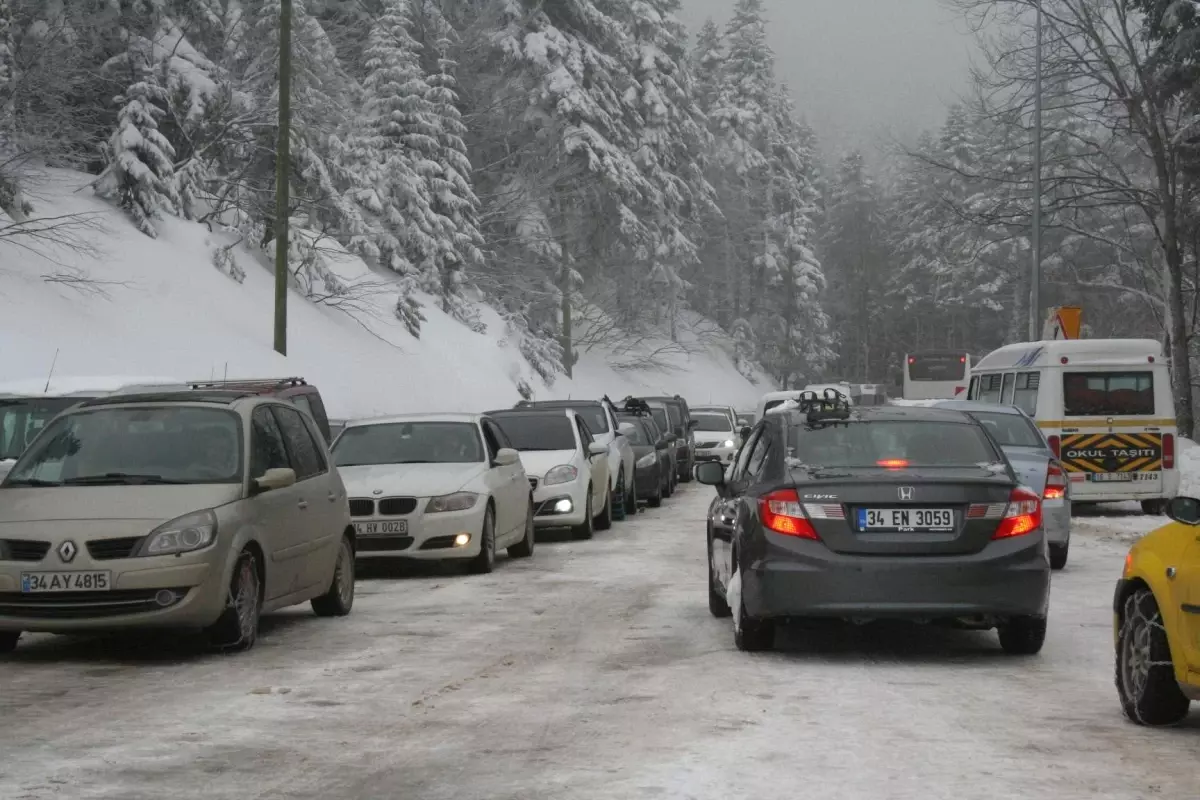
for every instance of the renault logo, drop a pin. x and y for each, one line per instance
(906, 492)
(67, 551)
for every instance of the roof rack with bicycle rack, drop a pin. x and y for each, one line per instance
(250, 384)
(635, 406)
(831, 407)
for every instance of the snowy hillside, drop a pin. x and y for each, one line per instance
(140, 306)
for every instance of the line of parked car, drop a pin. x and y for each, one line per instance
(203, 505)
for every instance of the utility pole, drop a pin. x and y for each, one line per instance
(1035, 276)
(282, 175)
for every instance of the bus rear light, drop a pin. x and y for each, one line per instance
(1168, 451)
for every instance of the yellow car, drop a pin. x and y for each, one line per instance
(1157, 620)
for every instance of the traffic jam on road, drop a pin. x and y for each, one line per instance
(208, 508)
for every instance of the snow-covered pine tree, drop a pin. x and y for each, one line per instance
(140, 173)
(707, 57)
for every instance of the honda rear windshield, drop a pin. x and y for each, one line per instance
(526, 431)
(1010, 430)
(889, 443)
(1087, 394)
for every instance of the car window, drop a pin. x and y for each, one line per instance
(660, 417)
(490, 441)
(303, 449)
(409, 443)
(585, 434)
(673, 413)
(888, 443)
(1101, 393)
(1006, 393)
(501, 439)
(758, 456)
(267, 450)
(743, 457)
(1026, 393)
(1010, 430)
(528, 430)
(301, 402)
(637, 434)
(989, 388)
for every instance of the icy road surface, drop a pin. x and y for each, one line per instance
(593, 671)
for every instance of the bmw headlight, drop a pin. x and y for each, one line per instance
(560, 474)
(182, 535)
(459, 501)
(647, 460)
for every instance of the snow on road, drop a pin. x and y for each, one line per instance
(592, 671)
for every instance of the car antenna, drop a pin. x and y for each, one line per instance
(53, 361)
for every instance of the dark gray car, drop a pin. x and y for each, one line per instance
(876, 512)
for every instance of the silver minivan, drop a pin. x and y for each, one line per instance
(199, 509)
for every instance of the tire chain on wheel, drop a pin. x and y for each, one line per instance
(1132, 611)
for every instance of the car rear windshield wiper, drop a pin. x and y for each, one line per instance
(32, 482)
(118, 478)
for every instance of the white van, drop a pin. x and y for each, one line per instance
(773, 399)
(1104, 404)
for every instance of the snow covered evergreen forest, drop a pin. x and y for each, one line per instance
(595, 172)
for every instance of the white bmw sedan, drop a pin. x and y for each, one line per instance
(434, 487)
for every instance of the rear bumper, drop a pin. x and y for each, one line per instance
(806, 579)
(1148, 486)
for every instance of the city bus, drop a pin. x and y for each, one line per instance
(937, 374)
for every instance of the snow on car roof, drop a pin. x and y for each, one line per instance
(78, 384)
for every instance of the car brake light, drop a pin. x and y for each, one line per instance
(1023, 515)
(1056, 483)
(1168, 451)
(892, 463)
(1055, 443)
(781, 512)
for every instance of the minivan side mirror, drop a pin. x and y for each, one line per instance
(506, 457)
(597, 449)
(1185, 510)
(276, 478)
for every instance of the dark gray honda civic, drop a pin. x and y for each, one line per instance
(875, 512)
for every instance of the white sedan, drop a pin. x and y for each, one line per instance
(434, 487)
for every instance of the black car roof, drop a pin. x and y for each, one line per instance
(223, 396)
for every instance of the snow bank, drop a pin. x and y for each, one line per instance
(1188, 459)
(141, 306)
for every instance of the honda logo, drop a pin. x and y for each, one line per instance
(906, 492)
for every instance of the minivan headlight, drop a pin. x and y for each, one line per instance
(184, 534)
(459, 501)
(564, 473)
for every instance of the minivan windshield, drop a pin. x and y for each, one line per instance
(22, 419)
(408, 443)
(890, 443)
(146, 445)
(529, 431)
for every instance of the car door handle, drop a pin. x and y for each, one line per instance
(303, 504)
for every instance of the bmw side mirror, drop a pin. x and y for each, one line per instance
(1184, 510)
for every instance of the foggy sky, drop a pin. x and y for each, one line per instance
(860, 70)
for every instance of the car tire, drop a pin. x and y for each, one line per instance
(669, 483)
(585, 529)
(685, 475)
(617, 506)
(524, 548)
(1023, 636)
(1154, 508)
(655, 500)
(236, 630)
(339, 599)
(8, 641)
(485, 562)
(605, 520)
(752, 635)
(718, 606)
(1145, 673)
(631, 499)
(1058, 555)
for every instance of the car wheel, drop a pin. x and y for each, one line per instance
(585, 529)
(752, 635)
(485, 562)
(685, 475)
(338, 601)
(656, 499)
(606, 514)
(524, 548)
(236, 630)
(8, 641)
(1023, 636)
(618, 501)
(718, 606)
(631, 499)
(1146, 682)
(1058, 555)
(1154, 508)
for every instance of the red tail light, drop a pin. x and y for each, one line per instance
(892, 463)
(1168, 451)
(1055, 444)
(1056, 483)
(1023, 515)
(781, 512)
